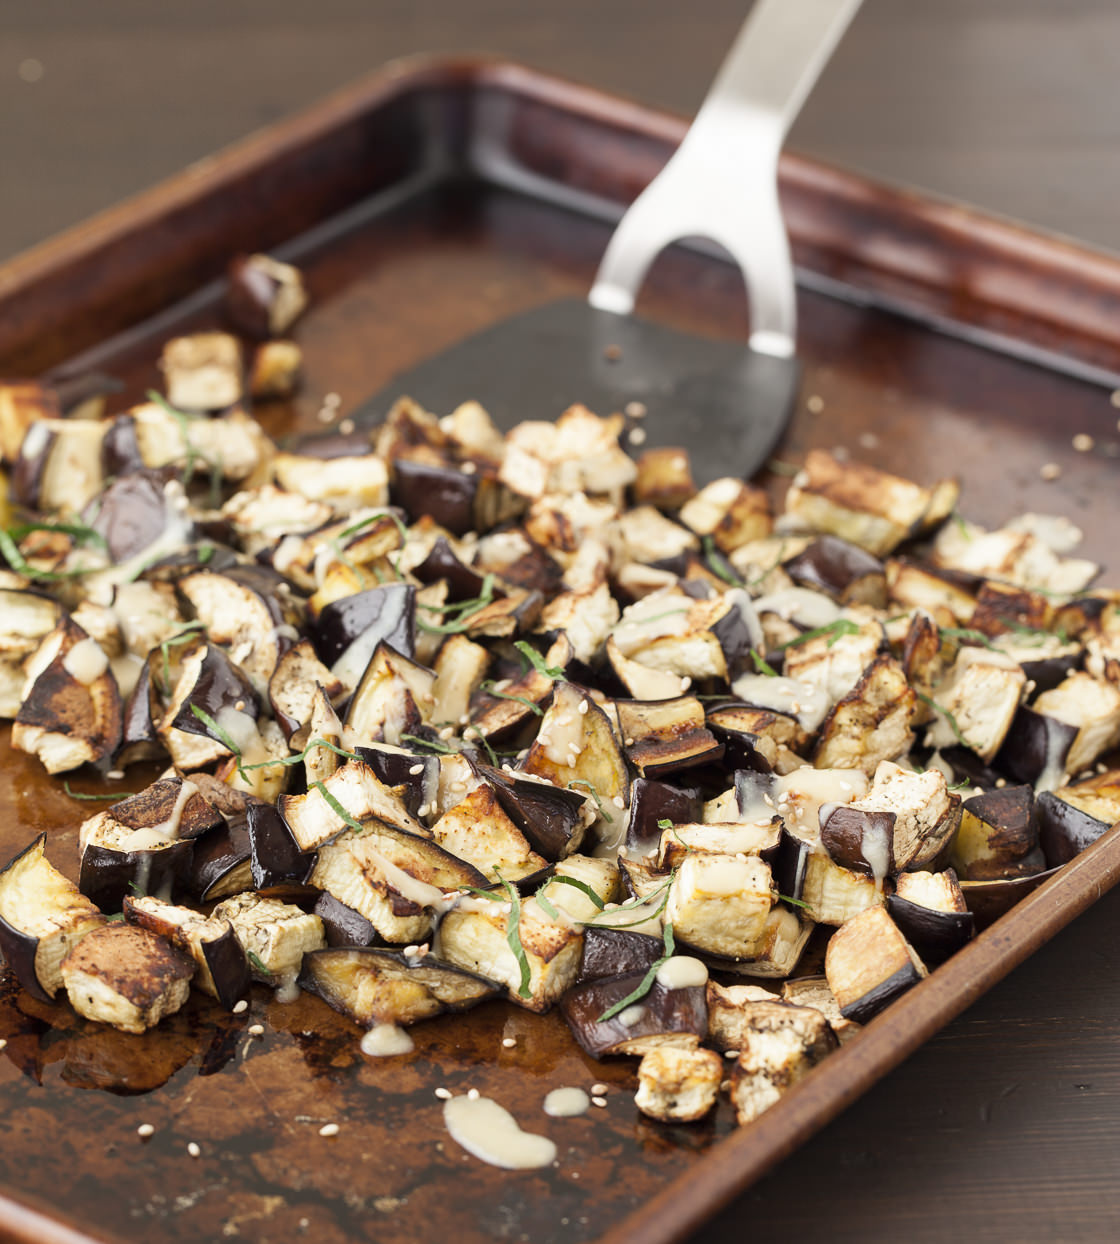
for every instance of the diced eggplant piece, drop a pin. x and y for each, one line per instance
(120, 859)
(833, 894)
(640, 680)
(395, 697)
(1014, 556)
(140, 738)
(71, 713)
(23, 403)
(397, 880)
(678, 1086)
(478, 830)
(378, 986)
(576, 745)
(652, 801)
(342, 925)
(449, 495)
(42, 916)
(871, 724)
(865, 506)
(322, 739)
(904, 821)
(417, 774)
(126, 977)
(474, 935)
(134, 511)
(275, 936)
(779, 1045)
(297, 682)
(922, 662)
(801, 794)
(509, 712)
(275, 370)
(349, 630)
(611, 952)
(837, 661)
(730, 511)
(592, 875)
(550, 816)
(221, 969)
(758, 838)
(1036, 749)
(584, 617)
(1074, 817)
(460, 667)
(729, 1012)
(947, 595)
(1003, 607)
(719, 904)
(665, 1016)
(264, 297)
(976, 702)
(664, 478)
(931, 914)
(843, 571)
(313, 819)
(784, 938)
(211, 682)
(275, 857)
(222, 862)
(442, 562)
(668, 735)
(59, 465)
(1093, 706)
(989, 900)
(998, 836)
(745, 731)
(813, 991)
(173, 807)
(203, 371)
(869, 963)
(233, 447)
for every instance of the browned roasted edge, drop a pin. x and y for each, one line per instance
(940, 261)
(744, 1156)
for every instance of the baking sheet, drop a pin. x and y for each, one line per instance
(405, 273)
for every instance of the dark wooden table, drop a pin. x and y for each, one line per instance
(1006, 1126)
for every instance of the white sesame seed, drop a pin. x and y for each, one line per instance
(469, 468)
(194, 1150)
(598, 1101)
(447, 732)
(415, 770)
(443, 1094)
(473, 1094)
(618, 801)
(509, 1042)
(725, 1086)
(815, 404)
(637, 436)
(1049, 471)
(637, 410)
(422, 810)
(239, 1008)
(256, 1030)
(1001, 783)
(600, 1090)
(582, 707)
(571, 762)
(465, 719)
(329, 1129)
(115, 775)
(325, 414)
(332, 399)
(410, 952)
(145, 1130)
(1082, 442)
(346, 427)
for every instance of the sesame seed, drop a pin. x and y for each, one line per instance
(329, 1129)
(346, 427)
(464, 719)
(600, 1090)
(469, 468)
(815, 403)
(598, 1101)
(115, 775)
(443, 1094)
(256, 1030)
(509, 1042)
(410, 952)
(725, 1086)
(415, 770)
(1001, 783)
(145, 1130)
(1082, 442)
(239, 1008)
(612, 353)
(637, 410)
(637, 436)
(473, 1094)
(332, 399)
(325, 414)
(571, 762)
(446, 732)
(422, 810)
(618, 801)
(582, 707)
(194, 1150)
(239, 705)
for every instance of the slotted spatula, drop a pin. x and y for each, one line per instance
(727, 402)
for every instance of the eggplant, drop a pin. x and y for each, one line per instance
(813, 991)
(394, 697)
(833, 894)
(203, 371)
(119, 859)
(503, 715)
(550, 816)
(177, 808)
(373, 985)
(777, 951)
(998, 836)
(1093, 706)
(42, 916)
(841, 570)
(274, 935)
(1065, 830)
(295, 685)
(460, 667)
(222, 862)
(869, 963)
(719, 903)
(275, 372)
(211, 682)
(662, 1017)
(976, 702)
(653, 801)
(126, 977)
(931, 914)
(664, 478)
(313, 820)
(417, 774)
(348, 631)
(59, 465)
(275, 857)
(1036, 749)
(678, 1086)
(23, 403)
(640, 681)
(458, 500)
(133, 511)
(778, 1045)
(342, 925)
(442, 562)
(755, 838)
(667, 736)
(729, 511)
(988, 900)
(730, 1008)
(140, 738)
(221, 969)
(871, 723)
(479, 830)
(611, 952)
(264, 297)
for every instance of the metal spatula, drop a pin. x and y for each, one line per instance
(727, 402)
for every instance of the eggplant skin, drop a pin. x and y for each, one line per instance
(611, 952)
(884, 993)
(935, 935)
(108, 876)
(663, 1016)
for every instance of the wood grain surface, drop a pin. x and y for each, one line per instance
(1004, 1127)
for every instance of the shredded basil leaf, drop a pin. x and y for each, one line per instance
(513, 938)
(538, 662)
(77, 794)
(834, 630)
(762, 665)
(218, 733)
(669, 943)
(337, 808)
(489, 688)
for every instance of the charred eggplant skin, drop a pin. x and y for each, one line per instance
(274, 853)
(662, 1011)
(611, 952)
(935, 935)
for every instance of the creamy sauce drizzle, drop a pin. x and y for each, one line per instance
(876, 850)
(682, 972)
(491, 1134)
(85, 662)
(566, 1103)
(385, 1041)
(799, 605)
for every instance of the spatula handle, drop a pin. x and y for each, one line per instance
(722, 182)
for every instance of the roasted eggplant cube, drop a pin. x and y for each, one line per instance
(813, 991)
(221, 968)
(779, 1045)
(591, 876)
(476, 937)
(976, 702)
(126, 977)
(869, 963)
(274, 935)
(203, 371)
(312, 817)
(932, 915)
(478, 830)
(833, 894)
(662, 1016)
(264, 297)
(377, 986)
(1093, 706)
(118, 860)
(719, 904)
(1075, 816)
(998, 836)
(342, 925)
(42, 916)
(678, 1086)
(871, 723)
(611, 952)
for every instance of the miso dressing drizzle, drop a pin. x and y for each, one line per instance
(492, 1134)
(876, 850)
(385, 1041)
(566, 1103)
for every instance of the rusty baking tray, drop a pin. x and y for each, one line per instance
(424, 203)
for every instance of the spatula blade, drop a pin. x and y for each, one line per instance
(726, 404)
